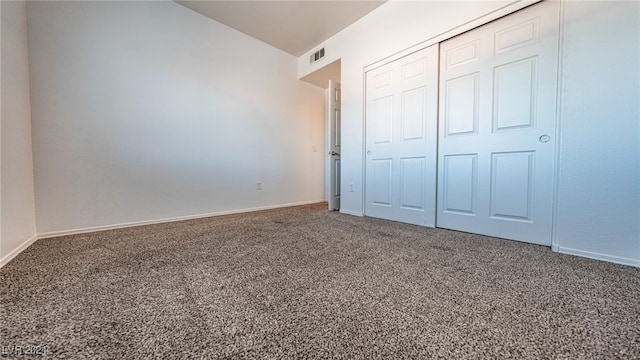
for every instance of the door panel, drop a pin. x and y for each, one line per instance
(498, 86)
(413, 116)
(460, 183)
(519, 35)
(401, 135)
(511, 185)
(382, 120)
(412, 183)
(462, 54)
(461, 112)
(514, 95)
(381, 181)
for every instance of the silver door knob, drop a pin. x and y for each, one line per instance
(369, 152)
(333, 153)
(544, 138)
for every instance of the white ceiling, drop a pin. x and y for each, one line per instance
(294, 26)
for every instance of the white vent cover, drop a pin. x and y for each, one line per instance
(317, 55)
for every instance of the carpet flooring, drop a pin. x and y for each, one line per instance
(301, 283)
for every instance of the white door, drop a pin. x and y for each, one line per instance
(334, 145)
(401, 134)
(497, 127)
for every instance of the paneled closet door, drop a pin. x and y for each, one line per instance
(401, 133)
(497, 127)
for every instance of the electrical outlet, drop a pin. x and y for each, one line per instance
(351, 187)
(259, 185)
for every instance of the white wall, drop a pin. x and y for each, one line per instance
(144, 111)
(598, 191)
(17, 214)
(598, 211)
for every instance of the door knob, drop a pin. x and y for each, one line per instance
(333, 153)
(544, 138)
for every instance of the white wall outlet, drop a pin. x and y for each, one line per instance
(351, 187)
(259, 185)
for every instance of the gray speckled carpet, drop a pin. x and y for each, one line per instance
(305, 283)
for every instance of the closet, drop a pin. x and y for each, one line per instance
(462, 134)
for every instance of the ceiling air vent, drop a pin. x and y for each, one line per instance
(317, 55)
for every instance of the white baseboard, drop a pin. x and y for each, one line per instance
(349, 212)
(5, 259)
(597, 256)
(166, 220)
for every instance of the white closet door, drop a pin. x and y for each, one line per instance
(401, 134)
(497, 127)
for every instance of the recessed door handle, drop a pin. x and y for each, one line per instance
(544, 138)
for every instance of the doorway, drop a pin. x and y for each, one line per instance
(334, 143)
(328, 78)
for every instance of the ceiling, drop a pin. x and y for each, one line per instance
(292, 26)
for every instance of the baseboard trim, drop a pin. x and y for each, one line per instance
(52, 234)
(349, 212)
(597, 256)
(5, 259)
